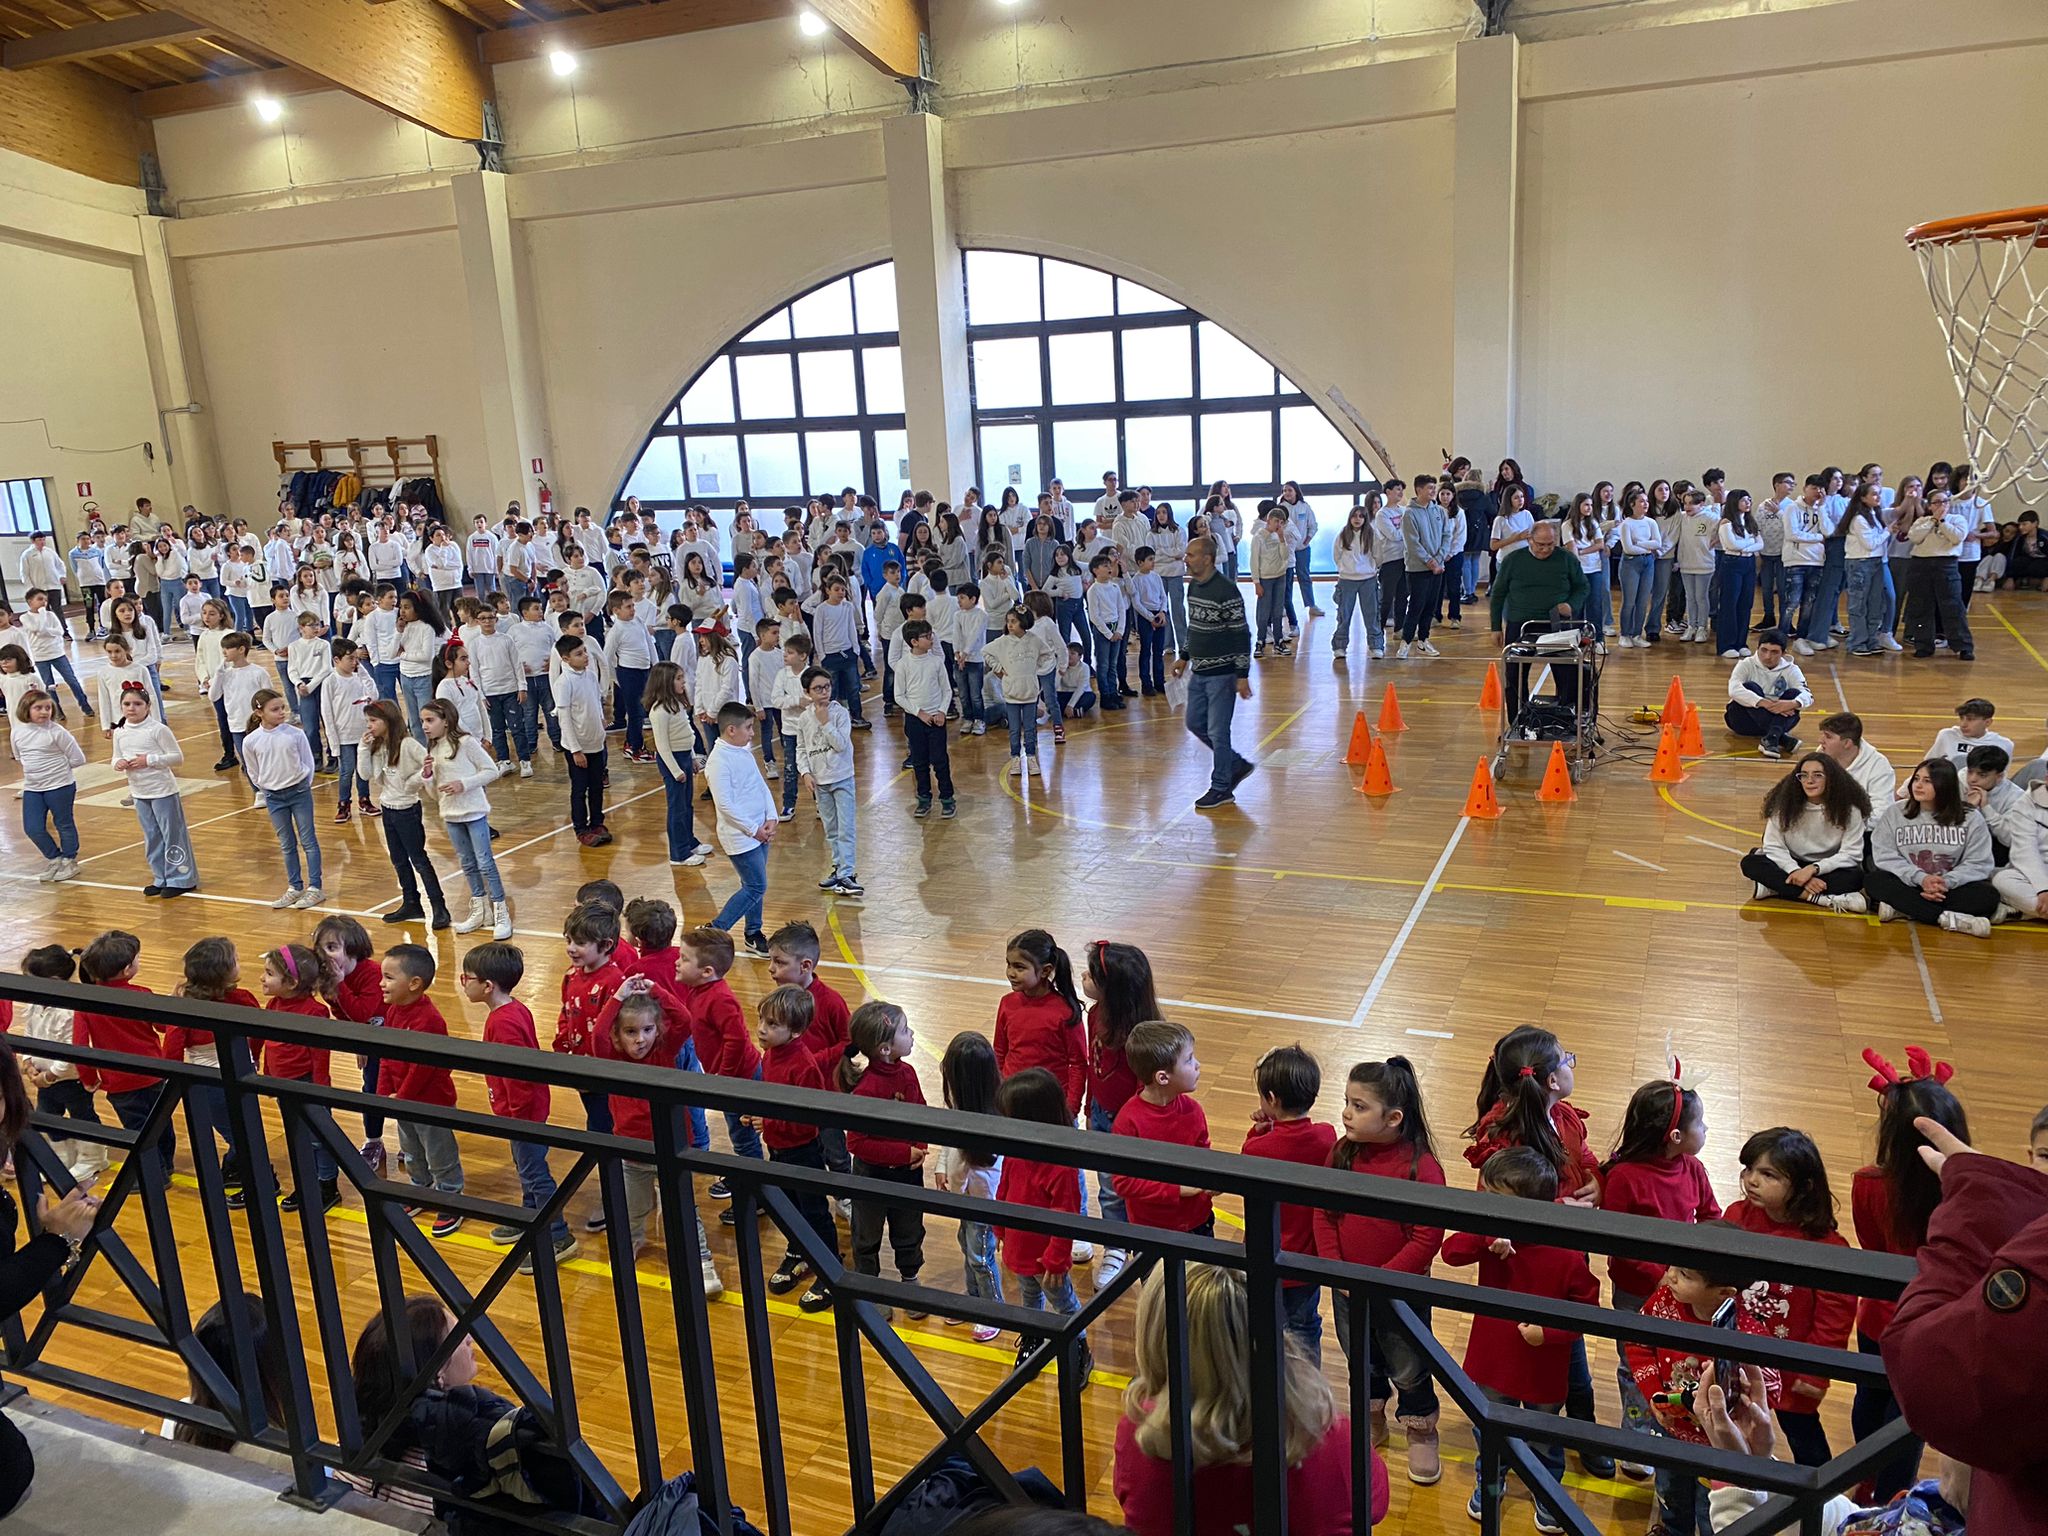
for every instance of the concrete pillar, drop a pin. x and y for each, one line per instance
(177, 381)
(931, 308)
(1484, 237)
(502, 336)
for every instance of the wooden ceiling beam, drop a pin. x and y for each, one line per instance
(886, 33)
(147, 30)
(228, 90)
(414, 58)
(68, 115)
(671, 18)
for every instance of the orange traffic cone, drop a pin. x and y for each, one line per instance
(1390, 712)
(1690, 742)
(1379, 779)
(1489, 691)
(1668, 769)
(1480, 802)
(1557, 779)
(1361, 741)
(1674, 704)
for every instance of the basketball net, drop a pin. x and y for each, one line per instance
(1987, 276)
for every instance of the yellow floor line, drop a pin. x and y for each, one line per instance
(1279, 728)
(1664, 794)
(2026, 645)
(846, 949)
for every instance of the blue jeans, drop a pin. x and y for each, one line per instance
(1177, 610)
(1151, 654)
(386, 673)
(700, 1126)
(291, 818)
(1638, 572)
(1071, 617)
(55, 668)
(1268, 611)
(1549, 1452)
(1660, 588)
(167, 845)
(1599, 596)
(540, 700)
(1049, 1293)
(1870, 603)
(1800, 595)
(682, 824)
(54, 805)
(1304, 1308)
(835, 809)
(978, 1249)
(746, 902)
(844, 666)
(1107, 649)
(510, 737)
(629, 698)
(972, 704)
(132, 1107)
(307, 707)
(351, 776)
(1364, 597)
(1771, 583)
(1832, 574)
(472, 840)
(1399, 1370)
(1738, 596)
(1212, 701)
(1023, 722)
(485, 582)
(746, 1139)
(416, 692)
(537, 1182)
(238, 610)
(1110, 1202)
(1301, 579)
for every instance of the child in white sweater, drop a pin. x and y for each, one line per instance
(147, 752)
(58, 1090)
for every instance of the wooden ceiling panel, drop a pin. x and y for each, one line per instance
(73, 116)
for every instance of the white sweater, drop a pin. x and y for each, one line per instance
(921, 686)
(1812, 840)
(396, 786)
(579, 708)
(49, 755)
(152, 740)
(460, 776)
(342, 699)
(1013, 661)
(742, 796)
(825, 748)
(277, 757)
(674, 739)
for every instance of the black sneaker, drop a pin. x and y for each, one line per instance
(789, 1274)
(719, 1190)
(1213, 798)
(406, 914)
(923, 807)
(863, 725)
(1771, 746)
(757, 944)
(846, 885)
(442, 920)
(225, 764)
(594, 1222)
(237, 1198)
(948, 809)
(816, 1299)
(1245, 769)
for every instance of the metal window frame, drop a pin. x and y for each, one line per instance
(35, 491)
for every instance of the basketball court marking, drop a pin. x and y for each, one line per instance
(1644, 862)
(1386, 967)
(1926, 979)
(2026, 645)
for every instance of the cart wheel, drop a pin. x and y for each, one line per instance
(1578, 771)
(1500, 763)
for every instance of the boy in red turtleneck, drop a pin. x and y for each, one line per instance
(1288, 1081)
(652, 923)
(430, 1153)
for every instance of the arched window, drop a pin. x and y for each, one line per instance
(809, 400)
(1077, 372)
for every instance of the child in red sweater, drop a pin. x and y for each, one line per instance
(292, 978)
(877, 1066)
(1655, 1171)
(1386, 1134)
(718, 1026)
(590, 933)
(652, 924)
(793, 953)
(639, 1034)
(1162, 1055)
(110, 961)
(1118, 981)
(1785, 1193)
(429, 1151)
(1288, 1080)
(355, 991)
(213, 972)
(1039, 1023)
(1523, 1364)
(489, 973)
(784, 1021)
(1042, 1264)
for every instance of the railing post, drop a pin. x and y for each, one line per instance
(1181, 1410)
(853, 1398)
(1269, 1347)
(1355, 1324)
(1492, 1480)
(746, 1212)
(693, 1325)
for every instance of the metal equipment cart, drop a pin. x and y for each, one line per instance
(1571, 655)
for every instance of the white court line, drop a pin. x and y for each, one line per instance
(1433, 1034)
(1839, 694)
(136, 890)
(506, 853)
(1920, 959)
(1379, 977)
(1708, 842)
(1644, 862)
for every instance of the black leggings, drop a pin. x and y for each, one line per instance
(405, 839)
(1977, 899)
(1764, 870)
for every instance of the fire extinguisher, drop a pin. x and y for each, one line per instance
(547, 499)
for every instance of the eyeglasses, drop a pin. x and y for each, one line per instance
(1569, 1059)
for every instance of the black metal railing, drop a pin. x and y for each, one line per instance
(300, 1291)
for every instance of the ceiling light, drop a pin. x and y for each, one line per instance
(562, 61)
(812, 24)
(268, 108)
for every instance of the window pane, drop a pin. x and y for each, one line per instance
(1083, 451)
(766, 388)
(774, 328)
(1157, 365)
(874, 297)
(1002, 287)
(1288, 386)
(1009, 456)
(1229, 367)
(1083, 368)
(773, 473)
(883, 368)
(1076, 293)
(1238, 446)
(659, 475)
(1006, 373)
(714, 464)
(1134, 299)
(709, 400)
(892, 467)
(826, 312)
(832, 459)
(1311, 450)
(1161, 450)
(827, 380)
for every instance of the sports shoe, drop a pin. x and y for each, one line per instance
(1427, 649)
(342, 816)
(1212, 798)
(600, 835)
(830, 882)
(1084, 1253)
(1770, 746)
(368, 809)
(815, 1299)
(1887, 913)
(756, 944)
(1803, 646)
(789, 1274)
(447, 1224)
(1850, 901)
(375, 1156)
(1245, 769)
(312, 896)
(985, 1334)
(713, 1286)
(1112, 1265)
(1962, 922)
(1547, 1523)
(786, 815)
(848, 886)
(1889, 643)
(526, 772)
(1016, 767)
(505, 1237)
(923, 807)
(948, 809)
(1402, 654)
(719, 1190)
(594, 1222)
(289, 899)
(1472, 1506)
(565, 1248)
(1731, 655)
(1868, 650)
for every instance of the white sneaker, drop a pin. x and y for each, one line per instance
(1402, 654)
(1016, 767)
(844, 1206)
(1962, 922)
(526, 770)
(1887, 913)
(479, 914)
(1112, 1265)
(1427, 649)
(501, 920)
(1889, 643)
(1036, 769)
(289, 899)
(1803, 646)
(1731, 655)
(1853, 901)
(697, 856)
(311, 897)
(1083, 1252)
(1743, 650)
(713, 1286)
(50, 872)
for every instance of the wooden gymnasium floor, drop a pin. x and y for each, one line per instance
(1358, 927)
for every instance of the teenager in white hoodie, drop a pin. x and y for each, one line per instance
(1814, 821)
(1766, 692)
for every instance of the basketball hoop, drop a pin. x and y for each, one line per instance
(1992, 306)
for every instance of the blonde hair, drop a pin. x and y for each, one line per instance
(1219, 1357)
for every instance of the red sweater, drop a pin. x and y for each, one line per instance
(1318, 1491)
(659, 964)
(1675, 1188)
(1678, 1370)
(1043, 1032)
(632, 1115)
(1580, 1165)
(831, 1026)
(287, 1058)
(1497, 1355)
(584, 994)
(895, 1080)
(1870, 1208)
(625, 956)
(1375, 1240)
(110, 1032)
(180, 1038)
(1794, 1311)
(794, 1065)
(1153, 1202)
(515, 1098)
(1110, 1078)
(718, 1026)
(411, 1079)
(1294, 1141)
(359, 997)
(1045, 1187)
